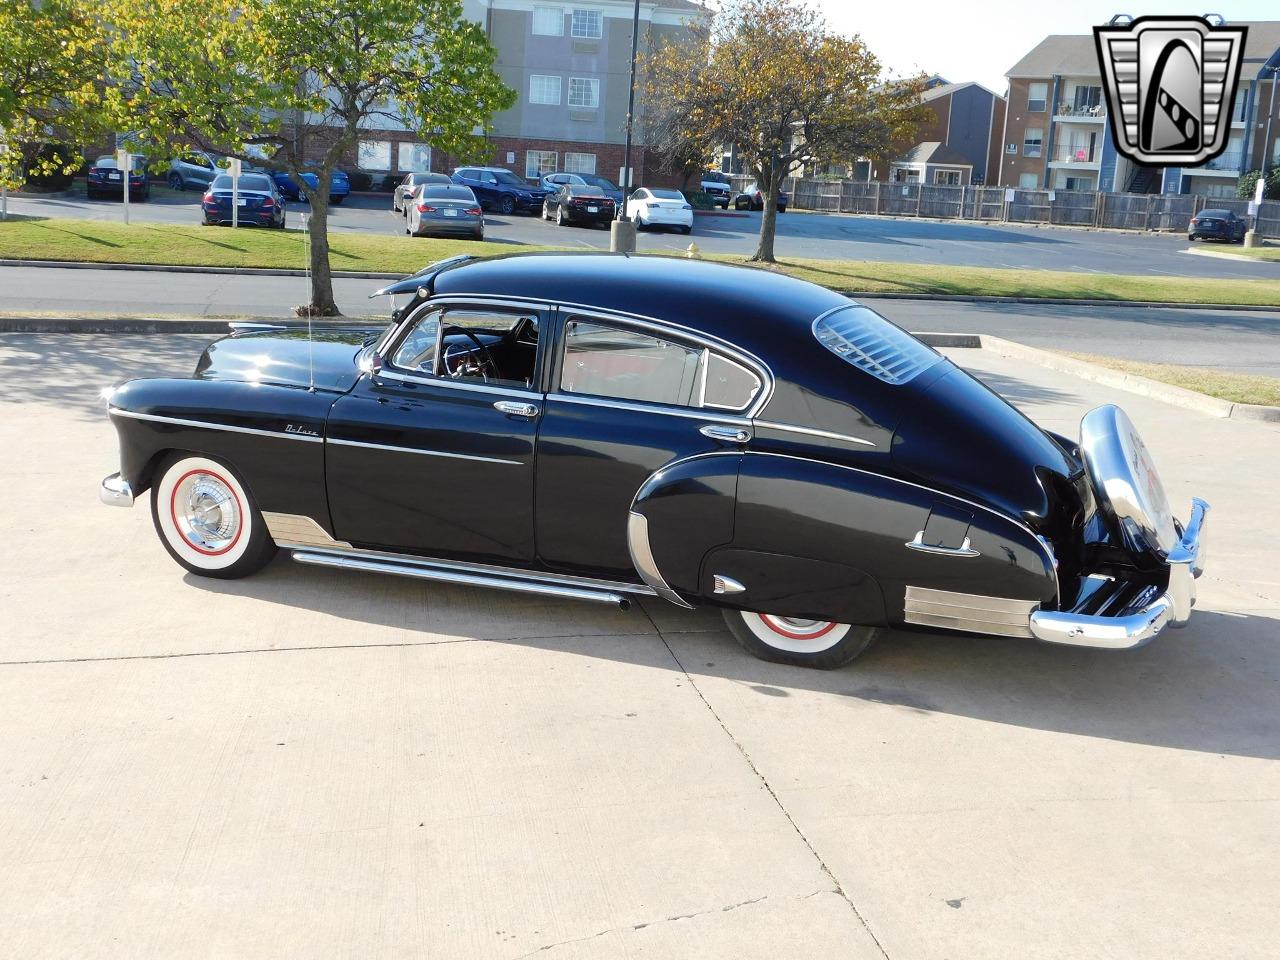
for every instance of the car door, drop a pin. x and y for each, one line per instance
(418, 462)
(627, 397)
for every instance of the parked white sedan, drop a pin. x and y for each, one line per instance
(660, 207)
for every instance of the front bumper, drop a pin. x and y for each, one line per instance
(1133, 629)
(115, 491)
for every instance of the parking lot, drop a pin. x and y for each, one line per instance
(800, 234)
(316, 763)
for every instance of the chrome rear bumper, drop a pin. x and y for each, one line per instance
(115, 491)
(1171, 609)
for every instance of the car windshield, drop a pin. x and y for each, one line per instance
(447, 191)
(601, 182)
(506, 176)
(1220, 214)
(249, 183)
(587, 190)
(715, 176)
(667, 194)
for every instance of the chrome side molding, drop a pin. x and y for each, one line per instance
(972, 613)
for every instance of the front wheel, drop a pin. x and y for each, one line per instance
(821, 644)
(207, 520)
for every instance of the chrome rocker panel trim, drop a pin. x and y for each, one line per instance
(115, 491)
(1170, 609)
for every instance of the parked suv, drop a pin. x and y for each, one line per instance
(194, 170)
(718, 187)
(499, 189)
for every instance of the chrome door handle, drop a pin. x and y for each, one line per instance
(726, 434)
(964, 550)
(516, 409)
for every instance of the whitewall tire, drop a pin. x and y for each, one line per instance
(207, 519)
(799, 641)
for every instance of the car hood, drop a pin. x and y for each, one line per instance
(287, 357)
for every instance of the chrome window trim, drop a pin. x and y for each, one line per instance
(812, 432)
(678, 332)
(208, 425)
(396, 375)
(425, 453)
(707, 414)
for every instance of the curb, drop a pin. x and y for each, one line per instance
(851, 294)
(1223, 255)
(164, 268)
(1167, 392)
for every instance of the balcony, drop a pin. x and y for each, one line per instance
(1071, 113)
(1227, 163)
(1076, 153)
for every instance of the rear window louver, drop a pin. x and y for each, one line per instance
(874, 345)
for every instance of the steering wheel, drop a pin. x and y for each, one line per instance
(461, 369)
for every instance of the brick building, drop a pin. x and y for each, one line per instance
(1057, 135)
(569, 64)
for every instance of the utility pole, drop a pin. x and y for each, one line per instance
(622, 232)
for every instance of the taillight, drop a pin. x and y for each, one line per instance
(474, 211)
(423, 208)
(268, 202)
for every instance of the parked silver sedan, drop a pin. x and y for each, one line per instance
(444, 209)
(410, 182)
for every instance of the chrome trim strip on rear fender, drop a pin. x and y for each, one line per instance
(812, 432)
(425, 453)
(207, 425)
(296, 530)
(972, 613)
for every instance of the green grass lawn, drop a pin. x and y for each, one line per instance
(109, 242)
(1236, 387)
(1265, 252)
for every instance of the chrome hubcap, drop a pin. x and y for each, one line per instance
(799, 625)
(207, 512)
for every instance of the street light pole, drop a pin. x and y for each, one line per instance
(622, 232)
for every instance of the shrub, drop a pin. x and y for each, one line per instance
(49, 167)
(360, 180)
(700, 200)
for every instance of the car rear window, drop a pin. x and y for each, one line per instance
(874, 345)
(585, 190)
(1220, 214)
(447, 191)
(261, 184)
(666, 194)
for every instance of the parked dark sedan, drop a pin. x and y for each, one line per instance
(106, 180)
(751, 198)
(500, 189)
(444, 210)
(601, 427)
(578, 203)
(259, 203)
(1217, 225)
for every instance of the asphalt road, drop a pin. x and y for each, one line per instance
(323, 764)
(800, 234)
(1245, 341)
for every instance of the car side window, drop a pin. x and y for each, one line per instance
(488, 177)
(623, 364)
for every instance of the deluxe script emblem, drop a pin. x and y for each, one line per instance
(305, 431)
(1170, 83)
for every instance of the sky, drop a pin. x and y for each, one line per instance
(940, 37)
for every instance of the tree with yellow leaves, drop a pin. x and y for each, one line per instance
(771, 78)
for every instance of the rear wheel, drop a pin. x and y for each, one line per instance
(507, 206)
(207, 520)
(822, 644)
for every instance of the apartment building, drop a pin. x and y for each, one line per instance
(958, 143)
(569, 64)
(1057, 135)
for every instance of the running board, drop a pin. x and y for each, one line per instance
(423, 570)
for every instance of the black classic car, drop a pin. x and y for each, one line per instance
(602, 427)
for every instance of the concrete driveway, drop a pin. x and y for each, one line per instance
(800, 234)
(324, 764)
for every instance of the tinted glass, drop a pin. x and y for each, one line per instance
(505, 176)
(445, 191)
(251, 183)
(627, 365)
(715, 176)
(1218, 214)
(105, 162)
(585, 190)
(601, 182)
(668, 194)
(874, 345)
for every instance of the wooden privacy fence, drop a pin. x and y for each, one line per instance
(1082, 208)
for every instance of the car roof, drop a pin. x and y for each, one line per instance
(741, 305)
